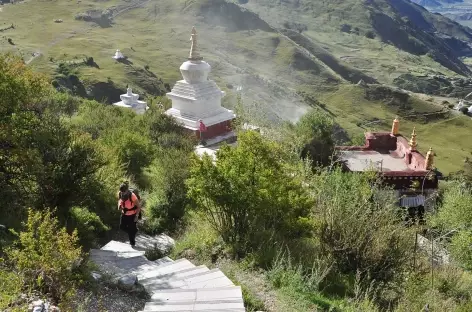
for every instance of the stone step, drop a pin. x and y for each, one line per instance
(195, 306)
(209, 294)
(163, 260)
(218, 310)
(167, 268)
(118, 246)
(98, 254)
(210, 279)
(177, 275)
(125, 266)
(161, 242)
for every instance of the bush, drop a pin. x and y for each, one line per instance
(46, 256)
(165, 180)
(249, 196)
(10, 287)
(131, 149)
(358, 227)
(313, 137)
(88, 224)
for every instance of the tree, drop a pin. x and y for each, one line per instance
(312, 137)
(249, 195)
(43, 163)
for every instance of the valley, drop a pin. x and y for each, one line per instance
(283, 57)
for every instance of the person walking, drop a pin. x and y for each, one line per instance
(130, 207)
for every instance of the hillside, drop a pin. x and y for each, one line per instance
(285, 56)
(457, 10)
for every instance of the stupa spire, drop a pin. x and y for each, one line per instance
(429, 159)
(194, 54)
(413, 144)
(395, 126)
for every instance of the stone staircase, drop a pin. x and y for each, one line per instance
(173, 285)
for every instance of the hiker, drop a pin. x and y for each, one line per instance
(202, 129)
(130, 208)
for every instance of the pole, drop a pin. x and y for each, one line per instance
(414, 255)
(432, 269)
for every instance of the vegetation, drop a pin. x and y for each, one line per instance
(249, 197)
(275, 212)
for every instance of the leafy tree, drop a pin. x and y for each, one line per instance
(313, 137)
(43, 163)
(249, 196)
(20, 117)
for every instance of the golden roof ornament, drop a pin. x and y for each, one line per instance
(412, 142)
(194, 54)
(395, 126)
(429, 163)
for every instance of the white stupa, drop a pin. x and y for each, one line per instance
(197, 98)
(130, 100)
(118, 55)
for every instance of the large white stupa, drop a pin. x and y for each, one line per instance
(196, 100)
(130, 100)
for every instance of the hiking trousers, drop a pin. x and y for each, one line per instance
(128, 225)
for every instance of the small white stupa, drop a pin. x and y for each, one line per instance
(196, 100)
(118, 55)
(130, 100)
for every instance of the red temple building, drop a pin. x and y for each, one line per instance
(400, 165)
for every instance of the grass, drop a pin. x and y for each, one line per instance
(281, 289)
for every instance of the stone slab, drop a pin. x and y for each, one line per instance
(178, 275)
(194, 306)
(218, 282)
(163, 260)
(176, 266)
(161, 242)
(210, 294)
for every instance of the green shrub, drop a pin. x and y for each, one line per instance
(358, 226)
(250, 197)
(11, 285)
(88, 224)
(131, 149)
(199, 236)
(165, 178)
(312, 137)
(46, 256)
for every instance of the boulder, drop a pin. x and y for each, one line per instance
(128, 282)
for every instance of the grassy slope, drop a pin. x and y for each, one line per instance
(323, 20)
(270, 67)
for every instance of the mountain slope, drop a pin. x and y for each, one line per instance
(285, 56)
(400, 23)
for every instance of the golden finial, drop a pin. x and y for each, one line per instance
(194, 55)
(395, 126)
(429, 163)
(412, 142)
